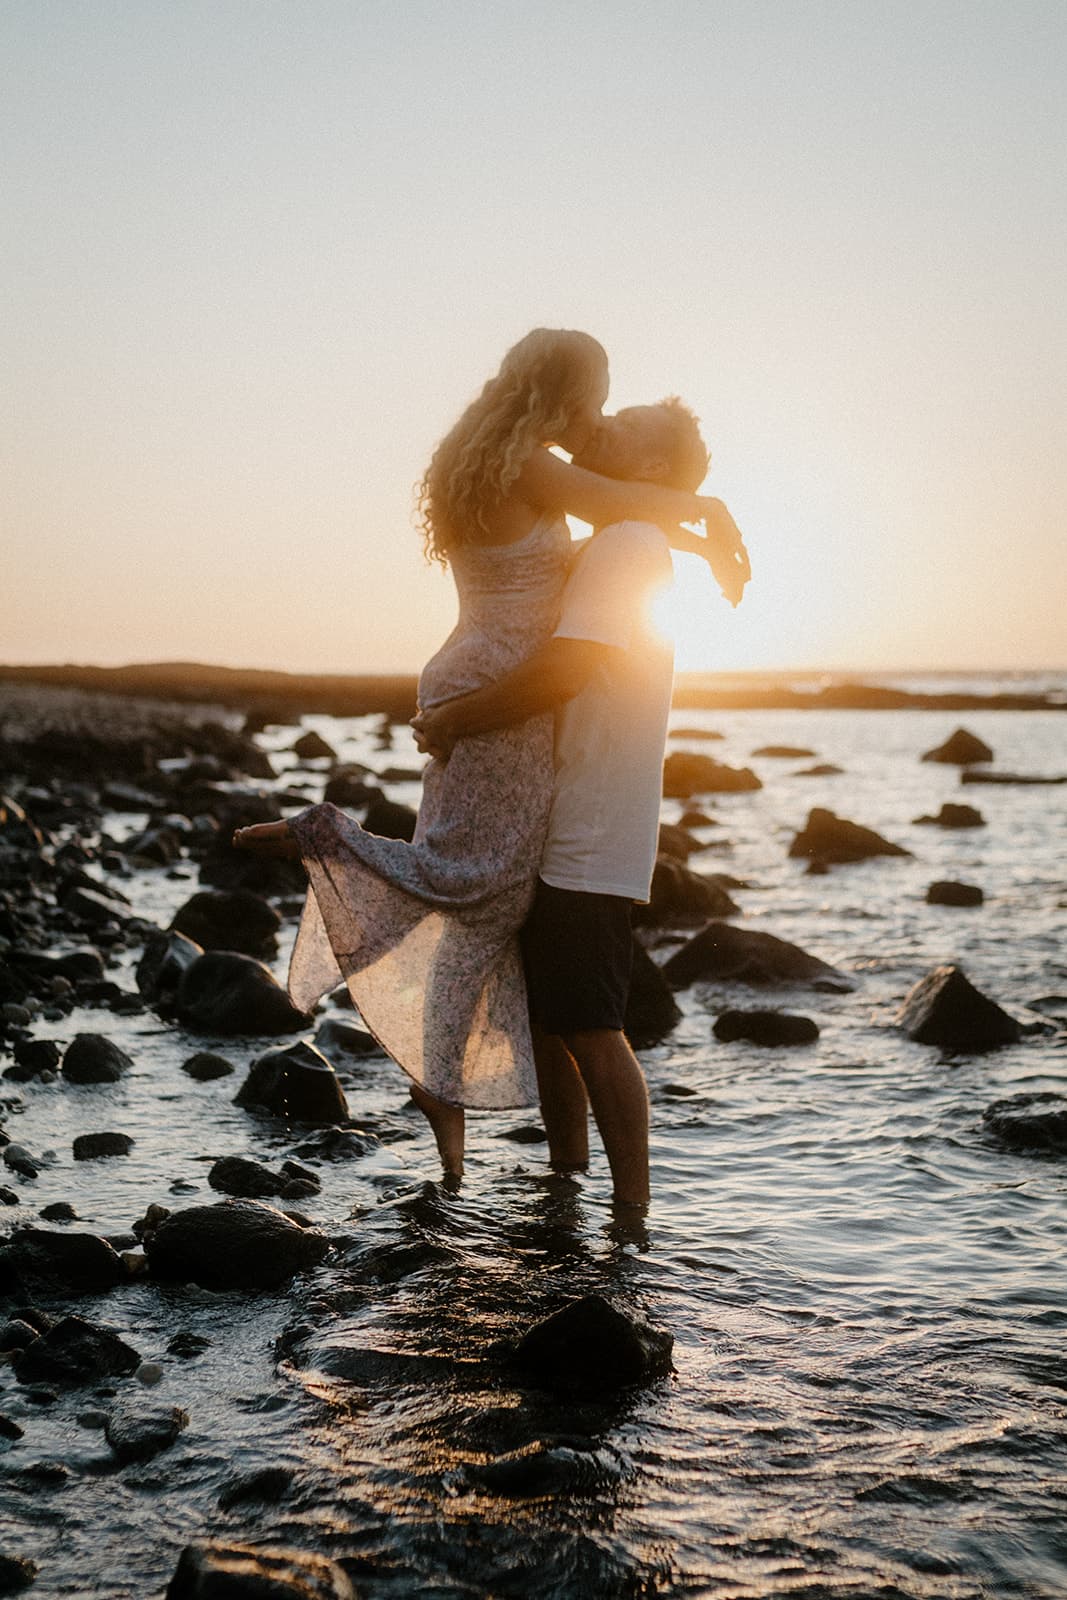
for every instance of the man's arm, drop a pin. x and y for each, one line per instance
(555, 673)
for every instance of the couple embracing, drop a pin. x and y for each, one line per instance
(490, 956)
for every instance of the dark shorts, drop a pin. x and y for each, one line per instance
(577, 952)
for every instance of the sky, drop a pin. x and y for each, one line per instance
(256, 257)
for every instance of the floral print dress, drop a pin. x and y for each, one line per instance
(424, 933)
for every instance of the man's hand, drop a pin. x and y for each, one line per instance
(434, 734)
(726, 554)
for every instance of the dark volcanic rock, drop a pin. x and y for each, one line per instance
(311, 746)
(740, 955)
(225, 992)
(592, 1346)
(827, 837)
(295, 1082)
(250, 1179)
(167, 958)
(79, 1261)
(1030, 1121)
(244, 1572)
(947, 893)
(686, 774)
(217, 919)
(765, 1027)
(138, 1432)
(390, 820)
(95, 907)
(90, 1058)
(945, 1009)
(206, 1065)
(75, 1351)
(680, 897)
(960, 749)
(954, 816)
(236, 1244)
(90, 1146)
(651, 1009)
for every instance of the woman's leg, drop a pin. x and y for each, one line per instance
(448, 1124)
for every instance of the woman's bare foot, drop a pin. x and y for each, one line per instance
(267, 839)
(448, 1124)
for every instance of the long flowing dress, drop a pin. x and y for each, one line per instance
(424, 933)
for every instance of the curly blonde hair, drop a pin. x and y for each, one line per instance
(542, 381)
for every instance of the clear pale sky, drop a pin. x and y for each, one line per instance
(256, 257)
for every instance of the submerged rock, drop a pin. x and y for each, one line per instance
(960, 749)
(296, 1082)
(225, 992)
(686, 774)
(136, 1433)
(591, 1345)
(1030, 1121)
(741, 955)
(90, 1058)
(784, 752)
(827, 837)
(947, 893)
(246, 1572)
(206, 1065)
(945, 1009)
(92, 1146)
(251, 1180)
(651, 1009)
(75, 1351)
(953, 816)
(765, 1027)
(680, 896)
(236, 1244)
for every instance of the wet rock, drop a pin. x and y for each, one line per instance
(686, 774)
(94, 907)
(205, 1065)
(676, 842)
(136, 1433)
(390, 820)
(236, 1244)
(1008, 777)
(695, 733)
(311, 746)
(740, 955)
(339, 1144)
(225, 992)
(591, 1345)
(526, 1133)
(244, 1572)
(9, 1429)
(680, 897)
(37, 1055)
(784, 752)
(954, 816)
(149, 1373)
(827, 837)
(75, 1351)
(217, 919)
(59, 1211)
(945, 1009)
(821, 769)
(17, 1334)
(8, 1197)
(92, 1058)
(19, 1159)
(93, 1146)
(16, 1573)
(127, 797)
(945, 892)
(161, 845)
(960, 749)
(250, 1179)
(765, 1027)
(540, 1469)
(349, 788)
(186, 1345)
(696, 819)
(78, 1261)
(296, 1082)
(269, 1483)
(651, 1009)
(334, 1037)
(1030, 1121)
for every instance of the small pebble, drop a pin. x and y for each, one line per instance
(149, 1373)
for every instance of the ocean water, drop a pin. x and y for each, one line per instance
(867, 1295)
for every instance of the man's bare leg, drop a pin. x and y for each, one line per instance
(449, 1126)
(564, 1104)
(619, 1098)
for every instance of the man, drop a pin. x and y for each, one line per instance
(608, 674)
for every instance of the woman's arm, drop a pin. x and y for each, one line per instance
(554, 485)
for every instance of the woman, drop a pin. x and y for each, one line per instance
(423, 933)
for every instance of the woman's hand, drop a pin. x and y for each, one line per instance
(267, 839)
(725, 549)
(434, 735)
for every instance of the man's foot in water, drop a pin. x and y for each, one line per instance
(268, 839)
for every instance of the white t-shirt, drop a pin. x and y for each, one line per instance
(604, 825)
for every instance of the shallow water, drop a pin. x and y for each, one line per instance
(867, 1295)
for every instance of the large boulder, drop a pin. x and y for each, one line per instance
(235, 1244)
(136, 1432)
(229, 993)
(960, 749)
(740, 955)
(765, 1027)
(296, 1082)
(74, 1351)
(1036, 1121)
(390, 820)
(236, 919)
(680, 897)
(686, 773)
(591, 1346)
(827, 837)
(81, 1262)
(945, 1009)
(263, 1572)
(166, 959)
(90, 1058)
(348, 787)
(651, 1009)
(953, 816)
